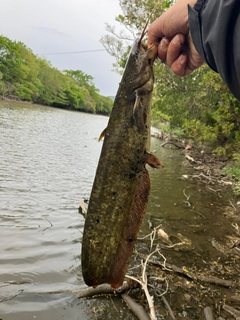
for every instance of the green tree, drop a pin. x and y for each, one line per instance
(10, 60)
(104, 105)
(31, 78)
(52, 91)
(28, 83)
(83, 80)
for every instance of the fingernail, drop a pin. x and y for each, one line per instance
(176, 39)
(182, 59)
(164, 44)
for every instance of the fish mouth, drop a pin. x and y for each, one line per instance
(145, 57)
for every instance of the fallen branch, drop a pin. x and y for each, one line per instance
(167, 306)
(190, 275)
(208, 178)
(101, 290)
(136, 308)
(180, 146)
(234, 312)
(144, 284)
(189, 158)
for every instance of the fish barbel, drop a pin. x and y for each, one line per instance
(121, 187)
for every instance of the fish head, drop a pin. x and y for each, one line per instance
(139, 67)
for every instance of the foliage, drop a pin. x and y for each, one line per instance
(28, 77)
(233, 171)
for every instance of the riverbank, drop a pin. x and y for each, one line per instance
(104, 107)
(210, 168)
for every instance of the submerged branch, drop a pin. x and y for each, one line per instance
(101, 290)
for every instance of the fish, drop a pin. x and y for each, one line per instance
(121, 186)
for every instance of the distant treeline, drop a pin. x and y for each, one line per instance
(30, 78)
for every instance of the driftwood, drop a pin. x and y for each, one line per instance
(208, 313)
(101, 290)
(234, 312)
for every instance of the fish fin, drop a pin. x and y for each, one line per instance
(153, 161)
(102, 135)
(138, 113)
(136, 105)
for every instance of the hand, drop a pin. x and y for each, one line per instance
(175, 48)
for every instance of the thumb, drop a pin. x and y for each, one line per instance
(155, 32)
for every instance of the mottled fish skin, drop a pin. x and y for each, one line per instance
(121, 187)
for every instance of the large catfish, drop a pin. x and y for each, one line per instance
(121, 187)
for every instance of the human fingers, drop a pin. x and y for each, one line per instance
(188, 61)
(162, 49)
(179, 66)
(175, 48)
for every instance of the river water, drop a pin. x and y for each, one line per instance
(48, 159)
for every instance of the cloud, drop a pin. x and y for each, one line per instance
(52, 31)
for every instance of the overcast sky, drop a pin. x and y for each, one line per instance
(51, 26)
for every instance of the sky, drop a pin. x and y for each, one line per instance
(55, 26)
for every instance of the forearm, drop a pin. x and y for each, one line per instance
(215, 31)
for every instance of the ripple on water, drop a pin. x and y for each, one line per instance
(48, 160)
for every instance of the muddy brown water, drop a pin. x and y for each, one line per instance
(48, 159)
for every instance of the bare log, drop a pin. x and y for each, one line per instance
(136, 308)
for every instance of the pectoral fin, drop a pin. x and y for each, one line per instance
(102, 135)
(139, 114)
(153, 161)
